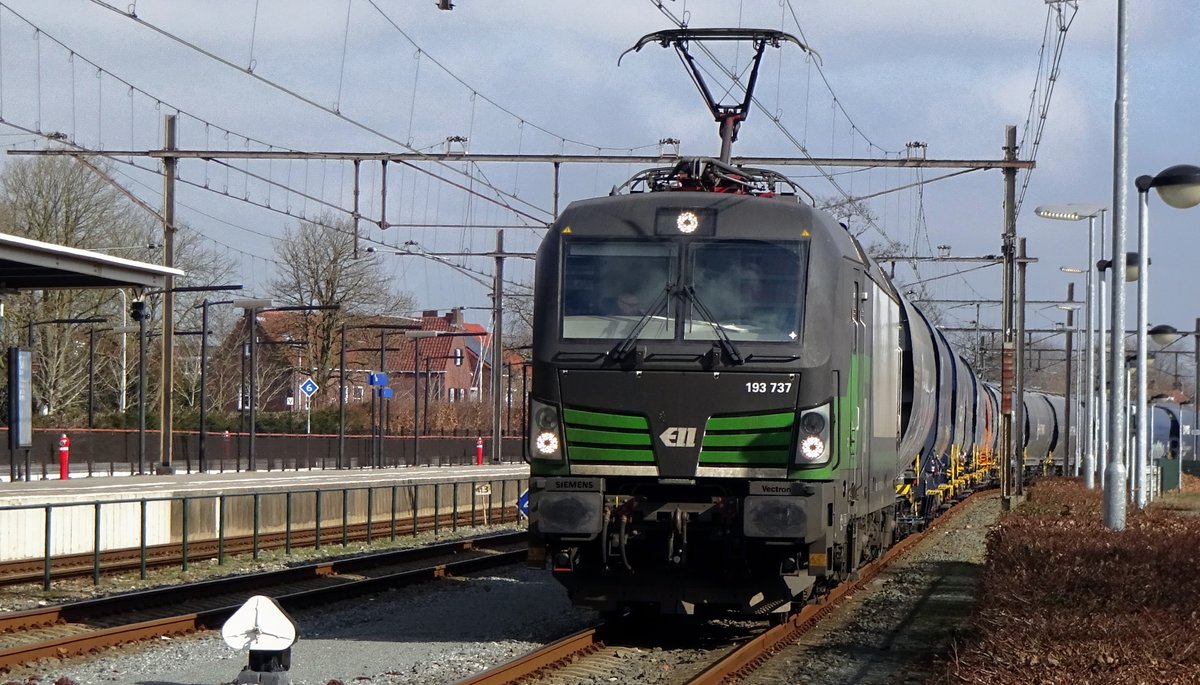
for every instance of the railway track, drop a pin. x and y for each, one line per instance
(129, 559)
(589, 653)
(81, 627)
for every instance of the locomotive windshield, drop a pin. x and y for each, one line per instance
(751, 289)
(608, 287)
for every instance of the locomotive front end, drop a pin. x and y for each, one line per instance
(682, 428)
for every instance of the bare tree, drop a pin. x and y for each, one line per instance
(56, 200)
(202, 267)
(852, 213)
(318, 268)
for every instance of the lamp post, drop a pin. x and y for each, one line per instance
(1115, 482)
(1114, 478)
(497, 288)
(1075, 390)
(1179, 187)
(251, 307)
(403, 328)
(1071, 464)
(137, 311)
(1164, 336)
(1077, 212)
(203, 442)
(1196, 389)
(416, 336)
(91, 350)
(29, 326)
(91, 377)
(124, 384)
(342, 397)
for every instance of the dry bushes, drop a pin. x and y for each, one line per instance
(1062, 599)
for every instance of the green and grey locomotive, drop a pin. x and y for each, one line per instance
(716, 402)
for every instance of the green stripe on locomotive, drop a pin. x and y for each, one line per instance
(601, 437)
(750, 440)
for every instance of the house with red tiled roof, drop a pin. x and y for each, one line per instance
(434, 358)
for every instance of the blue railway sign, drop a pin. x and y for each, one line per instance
(523, 504)
(309, 387)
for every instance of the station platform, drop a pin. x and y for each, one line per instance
(47, 518)
(106, 488)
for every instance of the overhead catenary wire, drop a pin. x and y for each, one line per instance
(502, 195)
(777, 120)
(472, 89)
(1054, 10)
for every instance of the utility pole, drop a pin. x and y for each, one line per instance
(1008, 246)
(978, 343)
(166, 415)
(1019, 413)
(1070, 469)
(1196, 390)
(341, 459)
(1115, 488)
(497, 345)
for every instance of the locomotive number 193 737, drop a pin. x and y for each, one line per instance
(764, 387)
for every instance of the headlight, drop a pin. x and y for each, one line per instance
(546, 443)
(812, 423)
(545, 432)
(813, 436)
(812, 448)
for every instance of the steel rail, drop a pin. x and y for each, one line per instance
(59, 617)
(125, 559)
(755, 651)
(741, 660)
(558, 652)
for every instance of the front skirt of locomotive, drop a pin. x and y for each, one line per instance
(695, 548)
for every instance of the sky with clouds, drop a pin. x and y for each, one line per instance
(542, 78)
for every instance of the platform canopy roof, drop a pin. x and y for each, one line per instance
(33, 265)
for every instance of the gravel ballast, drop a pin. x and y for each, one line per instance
(428, 634)
(442, 631)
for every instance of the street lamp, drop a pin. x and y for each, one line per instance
(29, 326)
(150, 247)
(1071, 459)
(341, 460)
(1179, 187)
(203, 446)
(1113, 472)
(251, 307)
(1077, 212)
(416, 336)
(1165, 336)
(91, 352)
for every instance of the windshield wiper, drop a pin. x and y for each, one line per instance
(735, 355)
(623, 348)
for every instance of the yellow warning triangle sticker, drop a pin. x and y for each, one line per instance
(804, 233)
(566, 229)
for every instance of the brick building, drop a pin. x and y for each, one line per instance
(438, 354)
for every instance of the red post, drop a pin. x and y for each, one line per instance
(64, 456)
(479, 451)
